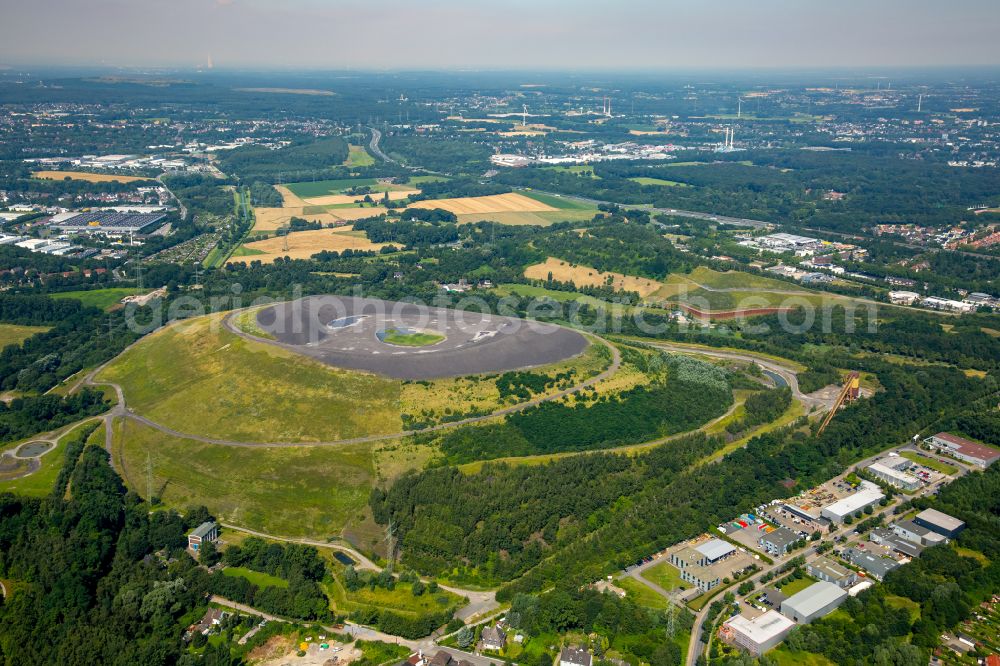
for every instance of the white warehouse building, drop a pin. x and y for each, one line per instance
(869, 495)
(894, 477)
(759, 635)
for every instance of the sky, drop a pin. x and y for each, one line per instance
(500, 34)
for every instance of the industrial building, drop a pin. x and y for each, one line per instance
(777, 542)
(699, 565)
(207, 532)
(915, 533)
(827, 570)
(894, 477)
(759, 635)
(714, 550)
(939, 522)
(885, 536)
(107, 221)
(814, 602)
(964, 449)
(868, 495)
(877, 567)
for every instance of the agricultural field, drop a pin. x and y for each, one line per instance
(322, 188)
(578, 169)
(15, 334)
(86, 176)
(313, 491)
(358, 157)
(585, 276)
(272, 219)
(304, 244)
(198, 377)
(104, 299)
(644, 180)
(512, 202)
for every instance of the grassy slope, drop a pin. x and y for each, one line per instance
(290, 491)
(666, 576)
(98, 298)
(199, 378)
(256, 577)
(15, 334)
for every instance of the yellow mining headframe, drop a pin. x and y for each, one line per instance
(851, 391)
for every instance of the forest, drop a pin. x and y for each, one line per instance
(84, 585)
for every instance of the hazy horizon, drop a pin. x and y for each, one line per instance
(472, 35)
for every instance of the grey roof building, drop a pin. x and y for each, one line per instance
(778, 541)
(877, 567)
(575, 657)
(939, 522)
(814, 602)
(829, 571)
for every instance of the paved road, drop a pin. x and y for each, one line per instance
(790, 377)
(711, 217)
(183, 208)
(355, 630)
(479, 601)
(374, 147)
(123, 411)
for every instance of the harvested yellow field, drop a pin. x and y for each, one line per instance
(304, 244)
(512, 202)
(341, 199)
(89, 177)
(290, 199)
(585, 276)
(353, 214)
(272, 219)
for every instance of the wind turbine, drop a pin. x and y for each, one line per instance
(920, 102)
(524, 115)
(739, 108)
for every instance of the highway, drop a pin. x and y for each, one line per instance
(374, 147)
(708, 217)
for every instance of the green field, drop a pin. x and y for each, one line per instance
(902, 602)
(291, 491)
(105, 299)
(15, 334)
(322, 188)
(785, 657)
(644, 180)
(419, 180)
(579, 169)
(562, 203)
(400, 599)
(198, 377)
(641, 594)
(394, 336)
(530, 291)
(797, 586)
(358, 157)
(666, 576)
(930, 463)
(257, 578)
